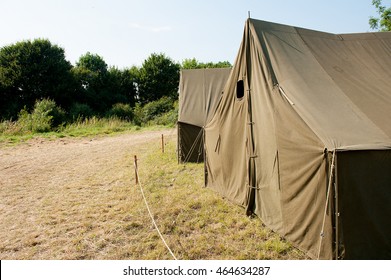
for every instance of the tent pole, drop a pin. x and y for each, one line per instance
(177, 142)
(336, 209)
(327, 203)
(204, 155)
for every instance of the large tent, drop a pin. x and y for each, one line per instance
(199, 93)
(302, 138)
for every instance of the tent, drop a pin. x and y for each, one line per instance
(302, 138)
(199, 92)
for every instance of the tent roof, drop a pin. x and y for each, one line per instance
(339, 84)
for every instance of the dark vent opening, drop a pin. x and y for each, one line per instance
(240, 89)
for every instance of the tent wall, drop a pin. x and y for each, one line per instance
(226, 141)
(199, 93)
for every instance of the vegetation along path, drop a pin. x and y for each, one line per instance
(75, 198)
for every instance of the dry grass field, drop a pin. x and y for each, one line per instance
(76, 198)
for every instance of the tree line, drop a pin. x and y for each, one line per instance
(35, 70)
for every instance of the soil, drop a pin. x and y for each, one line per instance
(41, 161)
(53, 192)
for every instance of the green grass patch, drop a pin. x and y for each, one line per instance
(196, 221)
(15, 132)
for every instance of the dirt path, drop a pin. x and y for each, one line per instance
(46, 182)
(55, 162)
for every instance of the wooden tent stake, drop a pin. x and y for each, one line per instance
(135, 169)
(162, 143)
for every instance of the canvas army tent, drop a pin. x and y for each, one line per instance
(199, 92)
(302, 138)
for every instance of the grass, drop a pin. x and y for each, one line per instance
(197, 222)
(104, 216)
(14, 133)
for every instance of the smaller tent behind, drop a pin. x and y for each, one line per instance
(199, 93)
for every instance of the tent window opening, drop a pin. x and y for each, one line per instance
(239, 89)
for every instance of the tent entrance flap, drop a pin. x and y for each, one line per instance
(190, 143)
(364, 184)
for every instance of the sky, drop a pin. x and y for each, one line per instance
(126, 32)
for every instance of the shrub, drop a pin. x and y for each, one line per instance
(138, 115)
(49, 107)
(10, 128)
(152, 110)
(35, 122)
(169, 118)
(45, 115)
(158, 107)
(80, 111)
(121, 111)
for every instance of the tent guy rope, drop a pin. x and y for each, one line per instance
(200, 133)
(149, 210)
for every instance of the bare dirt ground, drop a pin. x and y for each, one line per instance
(38, 172)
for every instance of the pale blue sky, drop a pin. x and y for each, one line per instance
(125, 33)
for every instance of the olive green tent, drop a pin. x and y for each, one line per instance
(199, 92)
(302, 138)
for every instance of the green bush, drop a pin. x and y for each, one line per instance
(10, 128)
(169, 118)
(152, 110)
(121, 111)
(158, 107)
(80, 111)
(138, 115)
(49, 107)
(34, 122)
(45, 116)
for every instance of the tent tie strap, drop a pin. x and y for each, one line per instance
(253, 156)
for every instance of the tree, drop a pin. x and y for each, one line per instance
(191, 63)
(30, 71)
(92, 75)
(158, 77)
(383, 23)
(100, 86)
(195, 64)
(90, 71)
(122, 85)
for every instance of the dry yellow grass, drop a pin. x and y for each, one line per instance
(76, 199)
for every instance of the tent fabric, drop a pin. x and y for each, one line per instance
(307, 95)
(190, 139)
(199, 92)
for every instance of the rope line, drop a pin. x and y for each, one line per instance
(327, 203)
(200, 148)
(151, 215)
(193, 146)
